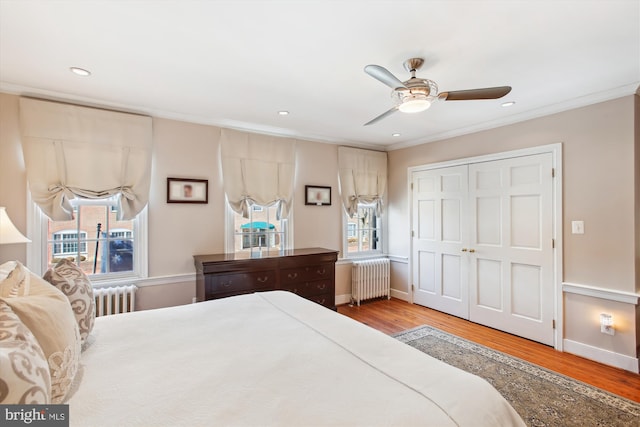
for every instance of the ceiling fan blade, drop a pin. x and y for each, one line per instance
(383, 75)
(471, 94)
(382, 116)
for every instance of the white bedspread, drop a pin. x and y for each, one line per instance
(269, 358)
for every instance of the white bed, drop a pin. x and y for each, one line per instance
(268, 358)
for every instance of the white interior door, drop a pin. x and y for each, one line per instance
(482, 245)
(440, 272)
(511, 248)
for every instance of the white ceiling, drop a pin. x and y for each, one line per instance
(237, 63)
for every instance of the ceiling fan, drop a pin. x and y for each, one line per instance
(417, 94)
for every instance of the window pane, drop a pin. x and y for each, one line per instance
(352, 237)
(363, 230)
(94, 239)
(261, 231)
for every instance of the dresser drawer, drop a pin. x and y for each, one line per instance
(306, 274)
(237, 282)
(327, 300)
(305, 289)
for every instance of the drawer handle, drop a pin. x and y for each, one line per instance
(323, 271)
(322, 287)
(263, 279)
(227, 284)
(292, 275)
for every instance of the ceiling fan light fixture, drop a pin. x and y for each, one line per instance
(414, 104)
(416, 94)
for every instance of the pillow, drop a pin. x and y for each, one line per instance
(47, 313)
(6, 268)
(72, 281)
(25, 378)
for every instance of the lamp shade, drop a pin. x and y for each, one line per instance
(8, 232)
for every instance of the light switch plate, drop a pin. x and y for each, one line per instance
(577, 227)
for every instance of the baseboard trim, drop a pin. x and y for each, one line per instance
(607, 357)
(343, 299)
(404, 296)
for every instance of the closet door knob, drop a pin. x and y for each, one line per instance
(472, 250)
(464, 249)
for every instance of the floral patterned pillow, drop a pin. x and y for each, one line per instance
(25, 378)
(46, 312)
(75, 284)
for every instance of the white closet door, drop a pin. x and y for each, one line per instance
(482, 245)
(510, 252)
(440, 267)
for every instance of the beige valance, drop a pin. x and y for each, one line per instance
(73, 151)
(257, 169)
(363, 177)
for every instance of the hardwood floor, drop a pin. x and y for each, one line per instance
(391, 316)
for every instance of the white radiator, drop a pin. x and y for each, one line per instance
(115, 300)
(370, 279)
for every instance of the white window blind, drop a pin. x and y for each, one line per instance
(363, 178)
(72, 151)
(257, 169)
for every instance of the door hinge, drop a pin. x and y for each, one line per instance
(553, 323)
(413, 288)
(412, 233)
(412, 186)
(553, 172)
(553, 243)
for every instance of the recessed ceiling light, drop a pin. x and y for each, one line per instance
(395, 134)
(80, 71)
(508, 103)
(283, 113)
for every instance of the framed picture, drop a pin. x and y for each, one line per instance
(316, 195)
(183, 190)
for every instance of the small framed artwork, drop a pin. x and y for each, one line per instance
(184, 190)
(316, 195)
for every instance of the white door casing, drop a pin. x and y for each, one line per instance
(498, 265)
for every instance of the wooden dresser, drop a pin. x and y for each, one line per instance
(308, 272)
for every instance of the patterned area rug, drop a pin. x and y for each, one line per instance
(540, 396)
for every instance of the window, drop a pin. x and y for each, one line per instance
(363, 231)
(260, 232)
(104, 247)
(352, 230)
(69, 242)
(122, 233)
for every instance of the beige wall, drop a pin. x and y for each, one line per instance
(599, 172)
(636, 123)
(599, 176)
(13, 178)
(179, 231)
(598, 154)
